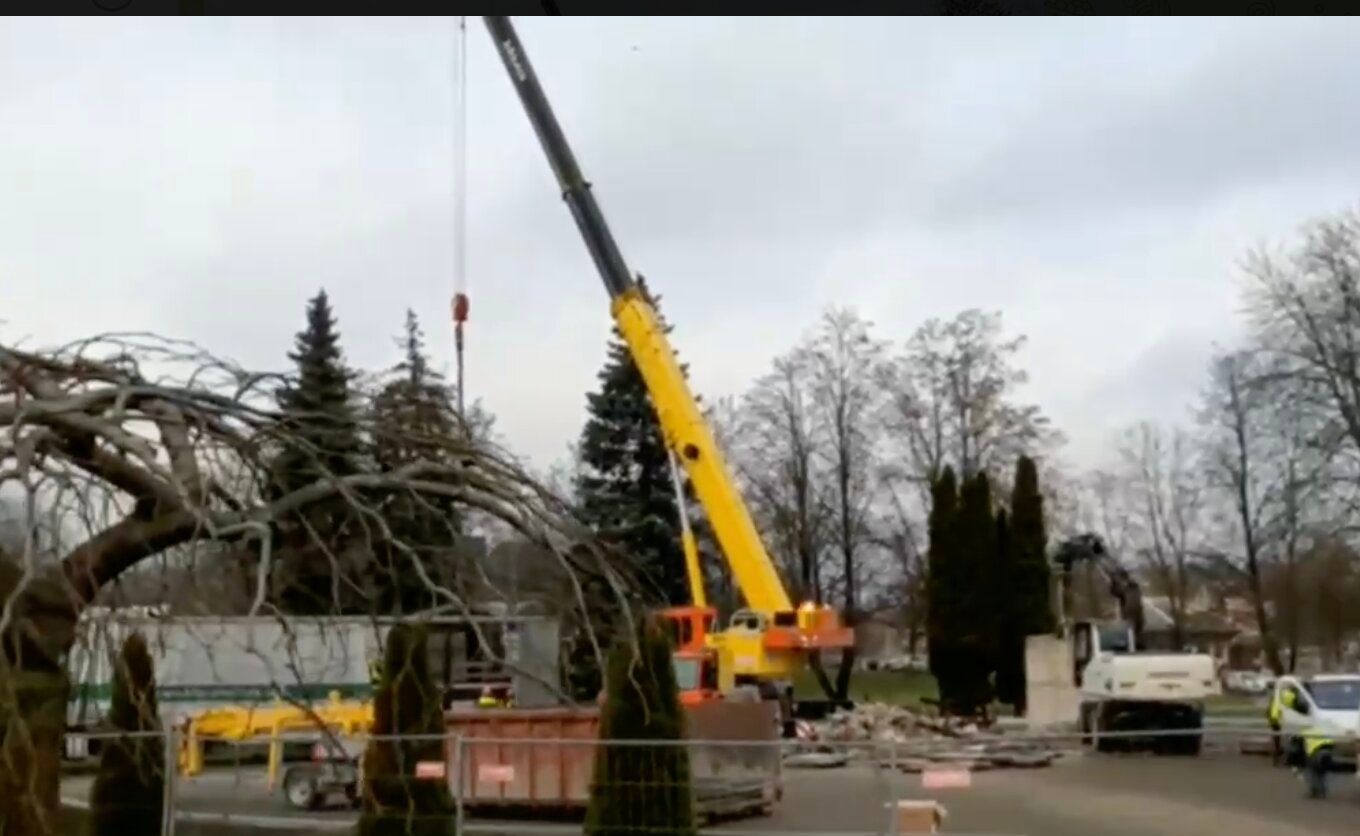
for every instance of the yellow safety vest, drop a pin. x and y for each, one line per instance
(1275, 713)
(1314, 740)
(487, 702)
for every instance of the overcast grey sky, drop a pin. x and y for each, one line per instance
(1096, 179)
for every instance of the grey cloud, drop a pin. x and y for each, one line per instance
(1266, 103)
(202, 178)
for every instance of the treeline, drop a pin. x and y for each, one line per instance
(840, 443)
(1253, 495)
(342, 557)
(837, 448)
(987, 587)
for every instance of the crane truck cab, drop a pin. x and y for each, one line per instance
(755, 657)
(1328, 704)
(1124, 689)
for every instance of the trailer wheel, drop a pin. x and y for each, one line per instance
(300, 789)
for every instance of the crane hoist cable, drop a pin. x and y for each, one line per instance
(460, 303)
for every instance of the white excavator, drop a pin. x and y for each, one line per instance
(1123, 687)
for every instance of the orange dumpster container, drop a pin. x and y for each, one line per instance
(523, 757)
(531, 759)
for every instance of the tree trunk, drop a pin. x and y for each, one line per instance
(1269, 646)
(33, 692)
(846, 668)
(823, 681)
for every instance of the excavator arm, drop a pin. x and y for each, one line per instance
(1124, 587)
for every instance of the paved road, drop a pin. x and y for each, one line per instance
(1083, 795)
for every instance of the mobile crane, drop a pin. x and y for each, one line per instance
(1121, 685)
(769, 640)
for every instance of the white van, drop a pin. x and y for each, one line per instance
(1327, 702)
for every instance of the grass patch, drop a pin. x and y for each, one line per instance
(1235, 705)
(905, 688)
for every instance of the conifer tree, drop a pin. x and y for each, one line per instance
(395, 801)
(1028, 607)
(414, 420)
(322, 556)
(625, 490)
(635, 788)
(128, 795)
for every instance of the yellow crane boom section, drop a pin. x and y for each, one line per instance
(687, 433)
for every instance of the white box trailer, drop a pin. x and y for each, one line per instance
(204, 663)
(211, 662)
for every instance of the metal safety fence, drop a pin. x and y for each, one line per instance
(899, 782)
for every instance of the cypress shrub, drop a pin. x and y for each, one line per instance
(641, 789)
(395, 801)
(128, 795)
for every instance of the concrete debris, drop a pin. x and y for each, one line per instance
(886, 724)
(920, 740)
(817, 760)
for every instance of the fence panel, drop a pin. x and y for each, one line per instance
(982, 783)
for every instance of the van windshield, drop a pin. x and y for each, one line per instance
(1335, 695)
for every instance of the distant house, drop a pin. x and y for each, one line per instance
(1204, 631)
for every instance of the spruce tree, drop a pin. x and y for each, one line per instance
(943, 592)
(414, 420)
(319, 440)
(1010, 673)
(637, 789)
(1028, 609)
(407, 703)
(625, 490)
(128, 795)
(975, 624)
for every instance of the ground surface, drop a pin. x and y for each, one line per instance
(1083, 795)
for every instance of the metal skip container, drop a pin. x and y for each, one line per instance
(542, 760)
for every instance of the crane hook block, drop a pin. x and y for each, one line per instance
(460, 307)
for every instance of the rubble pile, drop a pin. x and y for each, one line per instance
(914, 741)
(875, 722)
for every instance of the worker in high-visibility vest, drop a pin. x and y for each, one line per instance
(488, 699)
(1275, 720)
(1317, 756)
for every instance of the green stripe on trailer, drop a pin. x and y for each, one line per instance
(308, 692)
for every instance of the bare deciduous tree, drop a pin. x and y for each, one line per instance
(779, 463)
(1166, 504)
(954, 400)
(120, 449)
(1236, 414)
(845, 366)
(897, 534)
(1305, 307)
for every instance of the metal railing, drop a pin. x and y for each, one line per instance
(513, 785)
